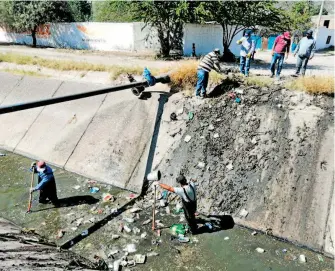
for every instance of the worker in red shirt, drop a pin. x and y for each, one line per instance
(281, 46)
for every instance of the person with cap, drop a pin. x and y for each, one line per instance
(281, 46)
(187, 193)
(46, 183)
(246, 52)
(208, 63)
(305, 50)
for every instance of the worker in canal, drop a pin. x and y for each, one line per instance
(46, 183)
(187, 193)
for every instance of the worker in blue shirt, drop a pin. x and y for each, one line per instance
(46, 183)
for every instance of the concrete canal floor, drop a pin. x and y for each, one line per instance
(233, 249)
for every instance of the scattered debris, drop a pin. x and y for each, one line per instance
(230, 166)
(244, 213)
(132, 196)
(238, 100)
(226, 238)
(187, 138)
(190, 115)
(162, 203)
(209, 225)
(173, 117)
(94, 190)
(284, 250)
(126, 229)
(320, 258)
(152, 254)
(77, 187)
(144, 235)
(260, 250)
(302, 258)
(128, 219)
(177, 229)
(216, 135)
(60, 234)
(74, 228)
(167, 210)
(139, 258)
(180, 111)
(84, 233)
(211, 127)
(115, 236)
(201, 165)
(239, 90)
(79, 221)
(146, 221)
(107, 197)
(254, 233)
(183, 239)
(135, 210)
(136, 230)
(130, 248)
(113, 252)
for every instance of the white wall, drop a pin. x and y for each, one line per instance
(322, 38)
(145, 38)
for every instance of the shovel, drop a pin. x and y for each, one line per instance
(154, 176)
(30, 194)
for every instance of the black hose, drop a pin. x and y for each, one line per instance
(29, 105)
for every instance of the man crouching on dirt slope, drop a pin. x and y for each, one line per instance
(187, 192)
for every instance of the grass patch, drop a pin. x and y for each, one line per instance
(184, 77)
(260, 81)
(313, 84)
(23, 72)
(68, 65)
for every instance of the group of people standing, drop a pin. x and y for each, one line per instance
(280, 51)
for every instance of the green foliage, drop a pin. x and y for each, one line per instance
(80, 10)
(236, 16)
(113, 11)
(168, 18)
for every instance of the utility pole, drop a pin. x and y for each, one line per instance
(319, 20)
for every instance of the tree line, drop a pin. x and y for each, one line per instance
(168, 17)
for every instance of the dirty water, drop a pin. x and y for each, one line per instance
(233, 249)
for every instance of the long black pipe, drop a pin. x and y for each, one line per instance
(29, 105)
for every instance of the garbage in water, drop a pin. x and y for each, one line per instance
(136, 230)
(260, 250)
(115, 236)
(173, 116)
(130, 248)
(237, 100)
(146, 222)
(152, 254)
(226, 238)
(135, 210)
(162, 203)
(190, 115)
(209, 225)
(60, 234)
(302, 258)
(113, 252)
(320, 258)
(254, 233)
(126, 229)
(177, 229)
(84, 233)
(76, 187)
(139, 258)
(183, 239)
(187, 138)
(107, 197)
(144, 235)
(128, 219)
(244, 213)
(94, 190)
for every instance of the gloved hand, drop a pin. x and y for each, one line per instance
(248, 55)
(33, 164)
(31, 190)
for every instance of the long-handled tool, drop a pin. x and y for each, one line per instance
(154, 176)
(30, 193)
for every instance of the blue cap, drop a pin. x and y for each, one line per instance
(247, 33)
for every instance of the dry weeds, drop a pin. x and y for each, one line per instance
(313, 84)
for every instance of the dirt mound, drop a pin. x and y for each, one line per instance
(264, 150)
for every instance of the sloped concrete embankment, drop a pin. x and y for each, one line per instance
(272, 155)
(105, 137)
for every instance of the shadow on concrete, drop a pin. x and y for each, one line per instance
(72, 201)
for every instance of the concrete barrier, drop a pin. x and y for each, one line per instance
(106, 137)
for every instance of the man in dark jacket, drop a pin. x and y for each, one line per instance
(46, 183)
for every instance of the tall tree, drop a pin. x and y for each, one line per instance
(81, 11)
(28, 15)
(236, 16)
(168, 18)
(113, 11)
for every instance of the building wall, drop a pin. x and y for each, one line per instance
(322, 38)
(323, 18)
(145, 38)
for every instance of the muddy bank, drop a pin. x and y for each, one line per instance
(267, 154)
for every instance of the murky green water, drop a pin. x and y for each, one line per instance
(208, 251)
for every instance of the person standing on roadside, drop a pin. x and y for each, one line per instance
(281, 46)
(246, 52)
(305, 50)
(208, 63)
